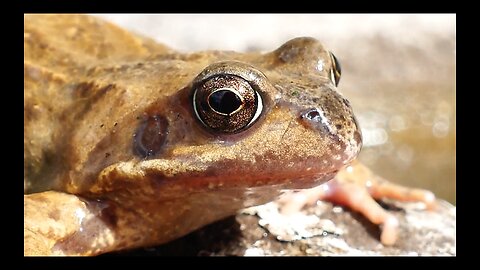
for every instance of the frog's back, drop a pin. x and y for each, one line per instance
(59, 51)
(61, 42)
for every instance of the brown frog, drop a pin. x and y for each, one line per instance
(128, 143)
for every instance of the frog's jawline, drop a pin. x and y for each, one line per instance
(214, 179)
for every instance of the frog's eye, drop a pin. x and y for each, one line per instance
(336, 71)
(226, 103)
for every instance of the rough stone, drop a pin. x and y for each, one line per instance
(320, 230)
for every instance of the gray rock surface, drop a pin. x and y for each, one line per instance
(327, 230)
(320, 230)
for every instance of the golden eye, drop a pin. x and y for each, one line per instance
(336, 71)
(226, 103)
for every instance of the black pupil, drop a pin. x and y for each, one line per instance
(224, 101)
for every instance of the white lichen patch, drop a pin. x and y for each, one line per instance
(291, 227)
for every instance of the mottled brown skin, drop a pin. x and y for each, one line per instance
(93, 90)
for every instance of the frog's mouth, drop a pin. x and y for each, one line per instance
(299, 174)
(265, 171)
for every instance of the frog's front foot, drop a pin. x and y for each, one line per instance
(57, 223)
(357, 188)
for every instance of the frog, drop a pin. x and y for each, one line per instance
(129, 143)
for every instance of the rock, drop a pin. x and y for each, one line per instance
(320, 230)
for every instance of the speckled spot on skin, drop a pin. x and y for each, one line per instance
(54, 214)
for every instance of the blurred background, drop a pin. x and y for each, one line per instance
(398, 71)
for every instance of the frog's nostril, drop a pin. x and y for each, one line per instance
(315, 118)
(313, 115)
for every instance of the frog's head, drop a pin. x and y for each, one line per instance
(249, 120)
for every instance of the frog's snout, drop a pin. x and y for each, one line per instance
(342, 129)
